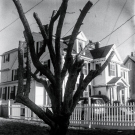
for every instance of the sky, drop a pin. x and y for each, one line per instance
(104, 17)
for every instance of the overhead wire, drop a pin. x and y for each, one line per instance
(117, 28)
(19, 17)
(74, 25)
(117, 20)
(125, 40)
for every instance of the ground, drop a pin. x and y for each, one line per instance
(23, 127)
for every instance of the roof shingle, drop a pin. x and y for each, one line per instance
(100, 52)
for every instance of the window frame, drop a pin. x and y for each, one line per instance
(112, 69)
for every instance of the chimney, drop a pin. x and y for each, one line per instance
(132, 54)
(97, 45)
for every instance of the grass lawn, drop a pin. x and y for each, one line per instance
(20, 127)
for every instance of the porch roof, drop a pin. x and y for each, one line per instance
(114, 80)
(118, 81)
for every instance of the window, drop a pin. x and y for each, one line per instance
(46, 63)
(25, 51)
(84, 69)
(123, 74)
(14, 74)
(123, 96)
(22, 111)
(80, 48)
(129, 65)
(98, 66)
(39, 46)
(4, 93)
(12, 94)
(112, 69)
(6, 58)
(88, 67)
(8, 93)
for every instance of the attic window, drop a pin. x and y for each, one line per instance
(6, 58)
(80, 48)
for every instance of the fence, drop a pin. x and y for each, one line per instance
(104, 116)
(100, 116)
(23, 112)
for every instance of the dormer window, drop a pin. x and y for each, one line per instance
(81, 47)
(6, 58)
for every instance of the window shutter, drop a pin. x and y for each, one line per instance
(89, 90)
(5, 93)
(8, 92)
(8, 59)
(109, 69)
(0, 92)
(14, 93)
(12, 74)
(88, 66)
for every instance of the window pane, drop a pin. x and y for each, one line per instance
(112, 69)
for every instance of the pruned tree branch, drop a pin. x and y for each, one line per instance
(46, 38)
(73, 36)
(30, 42)
(92, 74)
(28, 73)
(20, 71)
(58, 54)
(70, 85)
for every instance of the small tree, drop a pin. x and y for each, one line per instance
(58, 119)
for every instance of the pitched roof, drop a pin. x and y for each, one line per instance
(114, 80)
(124, 66)
(100, 52)
(10, 51)
(132, 58)
(129, 57)
(68, 37)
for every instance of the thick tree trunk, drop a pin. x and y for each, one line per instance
(59, 130)
(61, 125)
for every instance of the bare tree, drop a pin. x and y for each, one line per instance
(58, 119)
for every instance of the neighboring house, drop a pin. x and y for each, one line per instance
(129, 62)
(112, 82)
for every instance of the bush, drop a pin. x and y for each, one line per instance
(116, 102)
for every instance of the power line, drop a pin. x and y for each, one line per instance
(19, 18)
(117, 20)
(74, 25)
(117, 28)
(125, 40)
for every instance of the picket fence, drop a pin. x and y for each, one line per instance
(101, 116)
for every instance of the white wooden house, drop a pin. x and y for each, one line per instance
(112, 82)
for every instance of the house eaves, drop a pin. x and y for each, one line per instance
(10, 51)
(3, 70)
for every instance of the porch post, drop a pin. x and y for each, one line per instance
(9, 108)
